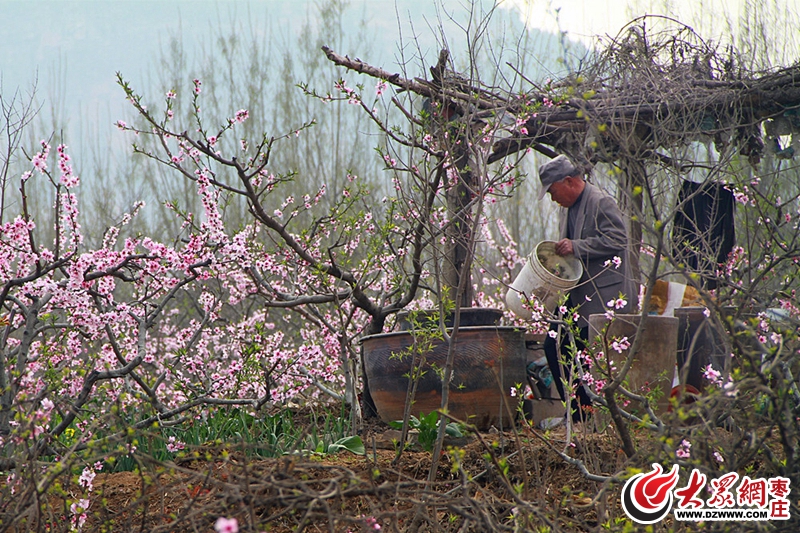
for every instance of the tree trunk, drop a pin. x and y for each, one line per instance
(459, 233)
(631, 204)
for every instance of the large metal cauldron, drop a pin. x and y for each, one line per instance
(489, 361)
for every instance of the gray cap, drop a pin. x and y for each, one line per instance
(555, 170)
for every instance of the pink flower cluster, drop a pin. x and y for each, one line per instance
(226, 525)
(684, 450)
(120, 313)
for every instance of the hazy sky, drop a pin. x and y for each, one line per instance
(586, 19)
(72, 49)
(75, 47)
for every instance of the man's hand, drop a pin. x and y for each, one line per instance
(564, 247)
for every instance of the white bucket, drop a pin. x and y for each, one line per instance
(545, 277)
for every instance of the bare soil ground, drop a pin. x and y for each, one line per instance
(487, 482)
(474, 489)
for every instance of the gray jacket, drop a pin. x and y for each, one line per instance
(600, 234)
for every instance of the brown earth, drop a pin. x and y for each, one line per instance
(344, 491)
(482, 483)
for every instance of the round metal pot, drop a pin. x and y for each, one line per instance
(489, 362)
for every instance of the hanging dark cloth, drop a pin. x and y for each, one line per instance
(703, 233)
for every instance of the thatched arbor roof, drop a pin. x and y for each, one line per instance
(647, 92)
(643, 93)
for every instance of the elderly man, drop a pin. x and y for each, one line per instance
(592, 228)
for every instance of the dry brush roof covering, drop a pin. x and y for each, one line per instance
(646, 93)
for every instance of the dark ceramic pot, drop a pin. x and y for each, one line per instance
(654, 363)
(489, 361)
(470, 316)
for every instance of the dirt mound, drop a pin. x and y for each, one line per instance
(490, 483)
